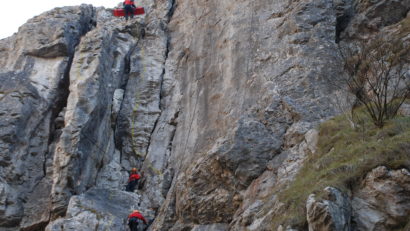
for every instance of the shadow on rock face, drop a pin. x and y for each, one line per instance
(215, 180)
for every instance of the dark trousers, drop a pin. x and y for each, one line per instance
(133, 224)
(129, 11)
(131, 186)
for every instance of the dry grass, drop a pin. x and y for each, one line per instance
(344, 156)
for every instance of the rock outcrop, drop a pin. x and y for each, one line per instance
(332, 213)
(217, 103)
(371, 16)
(99, 209)
(383, 200)
(380, 202)
(35, 66)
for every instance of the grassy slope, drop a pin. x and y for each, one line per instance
(344, 156)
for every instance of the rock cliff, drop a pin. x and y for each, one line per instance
(218, 103)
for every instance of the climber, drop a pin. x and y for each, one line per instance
(133, 220)
(132, 180)
(129, 7)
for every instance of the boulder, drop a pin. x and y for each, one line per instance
(383, 200)
(330, 213)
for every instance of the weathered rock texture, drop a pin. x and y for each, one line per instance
(99, 209)
(332, 213)
(35, 66)
(383, 200)
(242, 88)
(216, 102)
(380, 202)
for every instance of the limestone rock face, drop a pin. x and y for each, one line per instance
(213, 227)
(260, 203)
(216, 103)
(63, 93)
(231, 165)
(99, 209)
(372, 16)
(87, 140)
(383, 200)
(34, 78)
(261, 73)
(332, 213)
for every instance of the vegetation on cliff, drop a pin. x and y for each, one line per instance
(344, 156)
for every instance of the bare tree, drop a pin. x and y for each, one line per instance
(377, 74)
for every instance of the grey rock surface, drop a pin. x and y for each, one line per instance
(332, 212)
(216, 103)
(371, 16)
(266, 65)
(231, 165)
(34, 67)
(260, 203)
(100, 209)
(383, 200)
(116, 104)
(212, 227)
(97, 70)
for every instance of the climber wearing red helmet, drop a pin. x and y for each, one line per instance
(129, 8)
(133, 220)
(132, 180)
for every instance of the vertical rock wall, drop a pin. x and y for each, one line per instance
(81, 100)
(251, 76)
(34, 73)
(215, 102)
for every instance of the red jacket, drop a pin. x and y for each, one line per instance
(128, 2)
(138, 216)
(134, 176)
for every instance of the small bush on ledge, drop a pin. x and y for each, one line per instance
(377, 75)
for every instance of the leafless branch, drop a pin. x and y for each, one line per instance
(375, 74)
